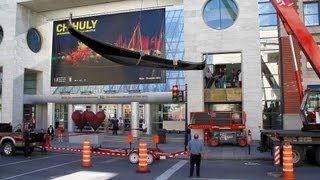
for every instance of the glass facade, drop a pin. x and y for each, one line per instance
(61, 115)
(174, 50)
(267, 14)
(311, 13)
(270, 61)
(270, 66)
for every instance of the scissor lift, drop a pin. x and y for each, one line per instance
(221, 127)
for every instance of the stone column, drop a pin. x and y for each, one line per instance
(94, 108)
(70, 121)
(147, 117)
(135, 119)
(12, 93)
(50, 114)
(119, 111)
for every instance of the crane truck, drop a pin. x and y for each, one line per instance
(305, 142)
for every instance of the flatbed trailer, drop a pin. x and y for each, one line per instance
(304, 143)
(131, 153)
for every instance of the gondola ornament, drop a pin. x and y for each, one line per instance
(128, 57)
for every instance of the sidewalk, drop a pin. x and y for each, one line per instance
(222, 152)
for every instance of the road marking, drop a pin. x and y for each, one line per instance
(87, 175)
(214, 179)
(41, 170)
(171, 170)
(251, 163)
(108, 161)
(31, 160)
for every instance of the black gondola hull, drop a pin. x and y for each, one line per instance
(132, 58)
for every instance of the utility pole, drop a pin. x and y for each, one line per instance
(186, 117)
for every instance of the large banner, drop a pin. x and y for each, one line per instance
(73, 63)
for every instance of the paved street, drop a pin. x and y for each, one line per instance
(61, 166)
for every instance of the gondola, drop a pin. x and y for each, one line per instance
(129, 57)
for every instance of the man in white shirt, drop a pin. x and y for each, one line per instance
(144, 127)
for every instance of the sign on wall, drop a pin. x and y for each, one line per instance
(73, 63)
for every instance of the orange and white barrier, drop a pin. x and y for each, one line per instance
(143, 157)
(86, 154)
(277, 155)
(120, 152)
(287, 165)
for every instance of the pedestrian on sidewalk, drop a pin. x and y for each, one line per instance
(144, 127)
(50, 132)
(115, 126)
(43, 136)
(195, 148)
(60, 132)
(121, 123)
(26, 137)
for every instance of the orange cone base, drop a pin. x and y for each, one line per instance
(288, 176)
(143, 169)
(86, 164)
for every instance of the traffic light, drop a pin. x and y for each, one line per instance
(175, 93)
(180, 96)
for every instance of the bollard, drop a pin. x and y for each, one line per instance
(156, 140)
(276, 163)
(86, 154)
(130, 140)
(277, 157)
(287, 165)
(143, 157)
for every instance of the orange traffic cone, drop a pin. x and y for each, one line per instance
(86, 154)
(287, 165)
(143, 157)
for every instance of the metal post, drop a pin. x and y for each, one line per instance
(186, 117)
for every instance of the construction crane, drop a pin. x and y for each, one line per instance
(307, 140)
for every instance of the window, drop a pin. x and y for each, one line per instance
(224, 71)
(311, 13)
(220, 14)
(34, 40)
(267, 14)
(30, 82)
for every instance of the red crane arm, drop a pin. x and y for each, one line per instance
(294, 26)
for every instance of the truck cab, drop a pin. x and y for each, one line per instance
(10, 141)
(310, 110)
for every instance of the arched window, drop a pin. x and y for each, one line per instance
(220, 14)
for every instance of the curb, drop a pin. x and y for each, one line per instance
(231, 158)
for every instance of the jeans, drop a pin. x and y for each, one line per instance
(221, 82)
